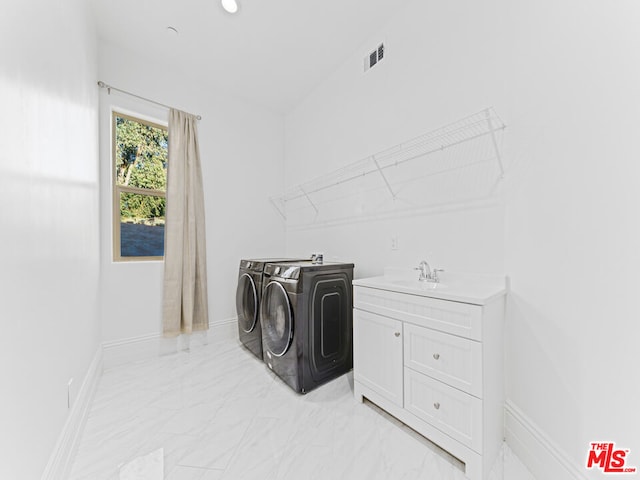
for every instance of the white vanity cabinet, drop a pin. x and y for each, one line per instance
(434, 360)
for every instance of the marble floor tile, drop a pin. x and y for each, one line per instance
(148, 467)
(192, 473)
(218, 413)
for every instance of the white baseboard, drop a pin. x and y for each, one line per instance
(223, 322)
(60, 462)
(541, 455)
(133, 349)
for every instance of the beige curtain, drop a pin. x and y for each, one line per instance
(185, 306)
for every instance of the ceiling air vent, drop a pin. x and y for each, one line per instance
(374, 57)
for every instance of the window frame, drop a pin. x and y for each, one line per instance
(117, 190)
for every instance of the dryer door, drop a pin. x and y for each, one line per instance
(247, 303)
(276, 318)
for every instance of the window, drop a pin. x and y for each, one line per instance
(139, 181)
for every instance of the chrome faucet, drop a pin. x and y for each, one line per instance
(425, 271)
(426, 274)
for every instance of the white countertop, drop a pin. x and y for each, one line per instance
(458, 287)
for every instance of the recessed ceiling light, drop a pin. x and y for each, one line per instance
(230, 6)
(172, 31)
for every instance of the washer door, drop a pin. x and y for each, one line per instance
(247, 303)
(276, 319)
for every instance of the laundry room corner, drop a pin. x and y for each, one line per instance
(235, 206)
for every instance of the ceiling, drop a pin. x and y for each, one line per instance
(273, 52)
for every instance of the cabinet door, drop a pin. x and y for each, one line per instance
(377, 349)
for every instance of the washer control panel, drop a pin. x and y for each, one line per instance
(283, 271)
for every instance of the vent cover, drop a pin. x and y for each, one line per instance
(374, 57)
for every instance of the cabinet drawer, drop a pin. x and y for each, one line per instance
(456, 413)
(453, 360)
(461, 319)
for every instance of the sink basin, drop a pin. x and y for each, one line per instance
(476, 289)
(417, 284)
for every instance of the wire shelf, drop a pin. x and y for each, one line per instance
(458, 162)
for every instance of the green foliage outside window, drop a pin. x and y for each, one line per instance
(141, 162)
(135, 208)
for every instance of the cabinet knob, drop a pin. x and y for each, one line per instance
(436, 406)
(397, 334)
(436, 356)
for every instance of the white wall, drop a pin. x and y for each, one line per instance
(241, 148)
(572, 233)
(565, 224)
(430, 76)
(49, 240)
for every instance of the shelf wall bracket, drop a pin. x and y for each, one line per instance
(487, 114)
(383, 177)
(309, 200)
(281, 211)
